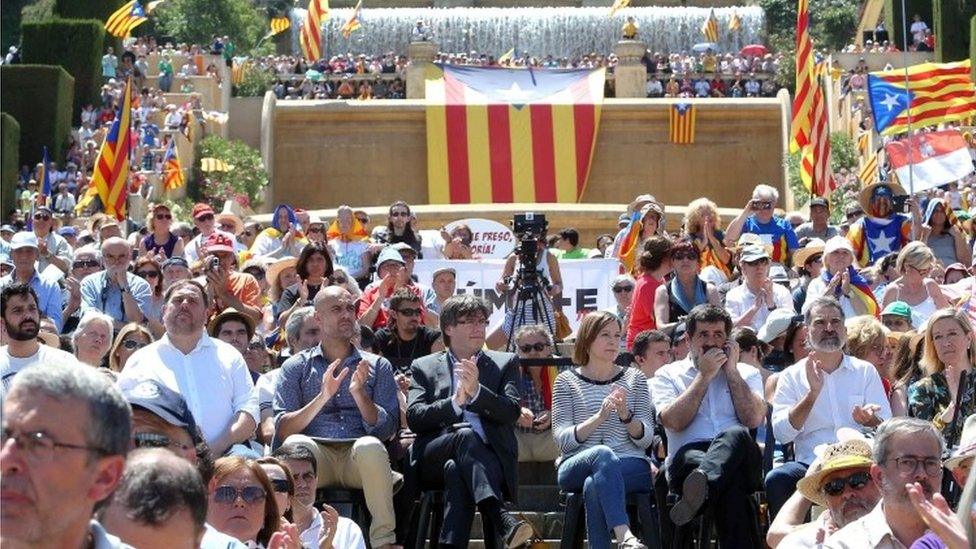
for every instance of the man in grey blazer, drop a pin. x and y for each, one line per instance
(463, 405)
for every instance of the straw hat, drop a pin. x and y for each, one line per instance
(814, 246)
(642, 200)
(967, 445)
(853, 453)
(274, 270)
(231, 313)
(864, 197)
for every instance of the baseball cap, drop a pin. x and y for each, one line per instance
(819, 201)
(754, 253)
(68, 230)
(219, 242)
(776, 325)
(390, 253)
(23, 239)
(176, 260)
(7, 229)
(404, 247)
(838, 243)
(201, 209)
(778, 274)
(898, 308)
(154, 397)
(441, 270)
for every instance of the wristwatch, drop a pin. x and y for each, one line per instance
(628, 419)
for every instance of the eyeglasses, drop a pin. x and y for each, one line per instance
(154, 440)
(855, 481)
(41, 217)
(248, 234)
(280, 485)
(164, 216)
(621, 289)
(227, 495)
(409, 312)
(132, 344)
(40, 445)
(147, 274)
(684, 255)
(922, 272)
(229, 227)
(399, 214)
(537, 347)
(84, 264)
(205, 217)
(340, 280)
(481, 322)
(907, 465)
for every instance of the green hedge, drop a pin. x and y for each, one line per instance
(951, 29)
(9, 141)
(87, 9)
(39, 97)
(75, 45)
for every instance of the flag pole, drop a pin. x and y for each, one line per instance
(904, 57)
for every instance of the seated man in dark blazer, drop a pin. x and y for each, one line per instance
(463, 405)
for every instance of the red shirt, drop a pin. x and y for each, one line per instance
(372, 294)
(642, 307)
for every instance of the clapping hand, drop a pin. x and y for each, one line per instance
(938, 517)
(467, 372)
(330, 522)
(331, 381)
(815, 375)
(845, 282)
(287, 537)
(619, 398)
(866, 415)
(357, 384)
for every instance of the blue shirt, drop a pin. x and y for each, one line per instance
(97, 294)
(778, 233)
(48, 295)
(300, 382)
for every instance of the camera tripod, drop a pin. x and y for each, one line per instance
(530, 307)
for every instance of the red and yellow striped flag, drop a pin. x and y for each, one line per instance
(934, 93)
(124, 19)
(353, 23)
(805, 83)
(869, 171)
(112, 166)
(279, 25)
(863, 140)
(310, 38)
(815, 171)
(510, 135)
(172, 170)
(710, 27)
(735, 23)
(681, 118)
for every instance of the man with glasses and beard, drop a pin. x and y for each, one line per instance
(404, 338)
(907, 453)
(21, 323)
(820, 394)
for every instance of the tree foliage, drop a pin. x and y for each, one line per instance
(832, 22)
(198, 21)
(843, 155)
(244, 181)
(254, 83)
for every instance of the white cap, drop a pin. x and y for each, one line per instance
(23, 239)
(776, 325)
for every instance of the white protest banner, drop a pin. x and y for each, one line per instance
(586, 284)
(489, 239)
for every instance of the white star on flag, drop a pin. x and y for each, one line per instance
(890, 101)
(515, 94)
(882, 243)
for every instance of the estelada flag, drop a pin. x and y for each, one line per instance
(510, 135)
(681, 120)
(112, 166)
(930, 93)
(124, 19)
(172, 170)
(279, 25)
(936, 158)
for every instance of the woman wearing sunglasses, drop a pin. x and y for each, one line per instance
(161, 240)
(241, 501)
(685, 290)
(281, 482)
(915, 287)
(130, 339)
(150, 270)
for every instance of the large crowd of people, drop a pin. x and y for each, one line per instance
(817, 364)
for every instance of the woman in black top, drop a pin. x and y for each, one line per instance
(314, 269)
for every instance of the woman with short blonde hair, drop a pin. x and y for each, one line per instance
(915, 287)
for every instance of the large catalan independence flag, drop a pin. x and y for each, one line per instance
(933, 93)
(111, 174)
(510, 135)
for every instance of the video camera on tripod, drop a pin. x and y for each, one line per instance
(529, 229)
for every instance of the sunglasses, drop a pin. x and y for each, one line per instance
(685, 255)
(229, 227)
(132, 345)
(84, 264)
(41, 217)
(409, 312)
(399, 214)
(147, 274)
(758, 262)
(622, 289)
(281, 486)
(537, 347)
(763, 205)
(248, 233)
(205, 217)
(164, 216)
(228, 494)
(855, 481)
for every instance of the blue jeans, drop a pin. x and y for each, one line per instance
(781, 483)
(605, 480)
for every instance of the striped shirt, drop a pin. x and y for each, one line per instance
(577, 398)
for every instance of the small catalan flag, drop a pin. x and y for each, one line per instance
(279, 25)
(172, 171)
(682, 123)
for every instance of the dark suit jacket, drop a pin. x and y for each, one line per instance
(430, 413)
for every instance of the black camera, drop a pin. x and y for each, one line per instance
(529, 229)
(898, 203)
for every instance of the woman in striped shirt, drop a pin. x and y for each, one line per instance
(602, 424)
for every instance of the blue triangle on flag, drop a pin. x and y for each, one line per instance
(682, 108)
(888, 101)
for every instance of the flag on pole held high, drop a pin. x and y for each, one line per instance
(936, 158)
(352, 24)
(44, 178)
(279, 25)
(681, 123)
(126, 18)
(111, 175)
(735, 24)
(710, 27)
(815, 171)
(805, 82)
(310, 38)
(933, 93)
(172, 170)
(510, 135)
(618, 5)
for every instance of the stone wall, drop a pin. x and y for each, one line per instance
(244, 122)
(326, 153)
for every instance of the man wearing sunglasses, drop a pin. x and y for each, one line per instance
(404, 338)
(52, 248)
(757, 218)
(840, 481)
(820, 394)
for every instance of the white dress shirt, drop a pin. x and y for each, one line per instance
(740, 299)
(868, 532)
(348, 535)
(716, 412)
(213, 378)
(854, 383)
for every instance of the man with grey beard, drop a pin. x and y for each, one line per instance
(907, 452)
(820, 394)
